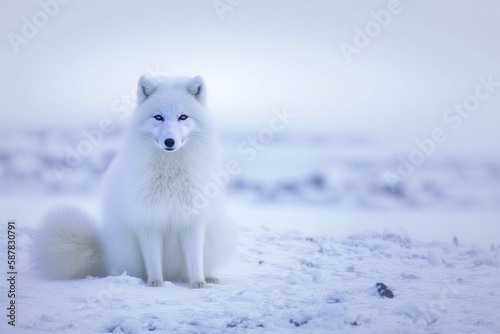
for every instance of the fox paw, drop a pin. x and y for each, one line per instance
(155, 282)
(198, 285)
(212, 280)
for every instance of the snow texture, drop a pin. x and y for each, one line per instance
(282, 283)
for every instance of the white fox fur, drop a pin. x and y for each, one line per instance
(67, 245)
(158, 220)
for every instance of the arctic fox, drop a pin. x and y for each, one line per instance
(156, 222)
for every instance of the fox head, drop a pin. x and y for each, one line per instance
(171, 111)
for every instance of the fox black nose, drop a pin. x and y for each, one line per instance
(169, 142)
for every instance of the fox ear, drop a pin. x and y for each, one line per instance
(145, 87)
(197, 88)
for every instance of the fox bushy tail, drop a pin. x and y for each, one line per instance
(67, 245)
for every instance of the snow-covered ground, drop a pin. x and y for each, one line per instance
(319, 227)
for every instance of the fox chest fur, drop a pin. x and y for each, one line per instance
(168, 182)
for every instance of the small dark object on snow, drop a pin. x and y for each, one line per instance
(384, 291)
(299, 323)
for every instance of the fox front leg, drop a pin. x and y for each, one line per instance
(151, 248)
(192, 247)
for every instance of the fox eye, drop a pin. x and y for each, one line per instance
(158, 117)
(183, 117)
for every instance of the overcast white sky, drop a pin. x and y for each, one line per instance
(264, 54)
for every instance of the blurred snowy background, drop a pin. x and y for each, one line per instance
(364, 81)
